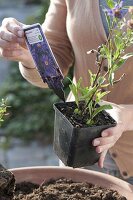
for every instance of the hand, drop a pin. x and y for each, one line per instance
(123, 114)
(12, 42)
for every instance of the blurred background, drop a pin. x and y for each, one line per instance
(26, 135)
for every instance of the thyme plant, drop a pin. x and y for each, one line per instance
(114, 53)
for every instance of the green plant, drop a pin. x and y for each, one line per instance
(30, 108)
(114, 52)
(39, 15)
(3, 110)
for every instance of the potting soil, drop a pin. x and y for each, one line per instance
(78, 121)
(64, 189)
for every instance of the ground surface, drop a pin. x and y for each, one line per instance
(20, 155)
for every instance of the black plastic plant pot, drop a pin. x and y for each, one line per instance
(73, 145)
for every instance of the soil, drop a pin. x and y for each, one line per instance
(67, 109)
(7, 181)
(64, 189)
(25, 188)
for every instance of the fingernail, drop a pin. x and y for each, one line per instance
(98, 150)
(96, 142)
(20, 33)
(104, 134)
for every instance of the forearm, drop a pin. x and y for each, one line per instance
(127, 116)
(122, 113)
(57, 37)
(31, 75)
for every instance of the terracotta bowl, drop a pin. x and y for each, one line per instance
(39, 174)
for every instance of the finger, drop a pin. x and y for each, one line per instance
(100, 149)
(115, 132)
(22, 42)
(5, 35)
(5, 44)
(14, 47)
(102, 158)
(8, 41)
(13, 26)
(8, 54)
(105, 133)
(103, 140)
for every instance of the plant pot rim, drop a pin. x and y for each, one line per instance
(38, 174)
(55, 106)
(63, 116)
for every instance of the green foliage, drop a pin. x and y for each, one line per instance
(114, 52)
(114, 49)
(39, 16)
(110, 3)
(91, 96)
(30, 114)
(3, 109)
(75, 90)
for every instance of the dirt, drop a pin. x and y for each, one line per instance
(7, 182)
(25, 188)
(64, 189)
(67, 109)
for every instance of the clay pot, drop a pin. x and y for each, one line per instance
(39, 174)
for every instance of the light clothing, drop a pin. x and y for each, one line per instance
(72, 28)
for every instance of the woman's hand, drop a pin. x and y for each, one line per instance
(123, 114)
(12, 42)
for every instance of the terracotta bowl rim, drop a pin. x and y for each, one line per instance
(58, 168)
(38, 174)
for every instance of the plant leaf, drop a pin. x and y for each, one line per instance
(100, 95)
(111, 78)
(110, 3)
(101, 108)
(128, 55)
(87, 96)
(73, 88)
(92, 77)
(101, 80)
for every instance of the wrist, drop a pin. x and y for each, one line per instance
(28, 64)
(27, 60)
(127, 117)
